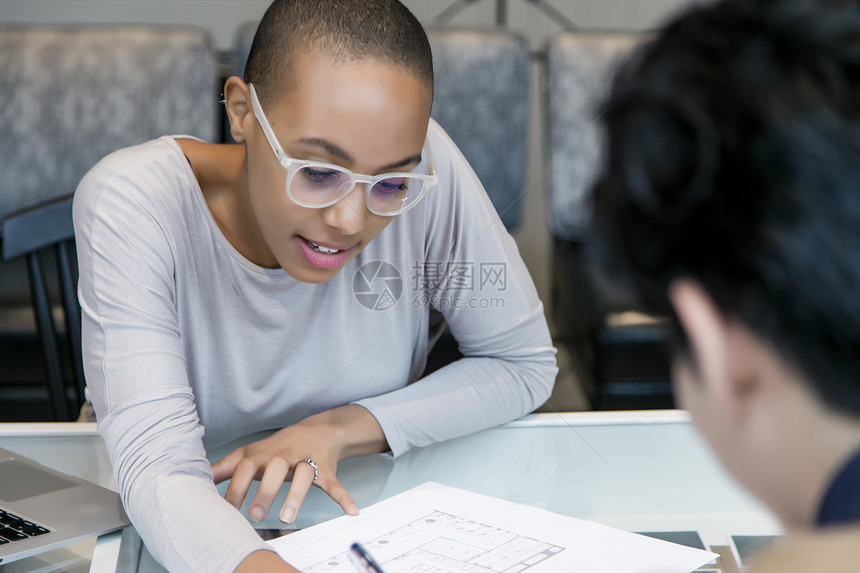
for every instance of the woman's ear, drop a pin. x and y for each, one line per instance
(237, 100)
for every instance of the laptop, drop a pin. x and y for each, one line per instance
(42, 509)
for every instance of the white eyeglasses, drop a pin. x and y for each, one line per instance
(316, 185)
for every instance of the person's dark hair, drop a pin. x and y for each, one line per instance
(733, 159)
(384, 30)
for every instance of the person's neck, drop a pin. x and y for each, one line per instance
(222, 173)
(815, 443)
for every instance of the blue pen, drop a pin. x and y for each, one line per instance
(363, 559)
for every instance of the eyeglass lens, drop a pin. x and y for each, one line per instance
(318, 186)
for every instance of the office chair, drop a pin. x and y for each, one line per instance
(30, 233)
(620, 352)
(73, 94)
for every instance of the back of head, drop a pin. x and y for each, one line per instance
(344, 30)
(734, 160)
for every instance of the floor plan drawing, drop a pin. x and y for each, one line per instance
(435, 528)
(440, 542)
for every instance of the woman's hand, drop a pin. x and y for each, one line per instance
(325, 438)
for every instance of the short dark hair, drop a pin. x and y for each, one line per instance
(343, 29)
(733, 159)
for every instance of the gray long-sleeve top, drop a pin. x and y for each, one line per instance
(188, 345)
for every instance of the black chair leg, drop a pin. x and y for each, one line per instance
(45, 326)
(71, 310)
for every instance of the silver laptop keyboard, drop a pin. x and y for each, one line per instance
(16, 528)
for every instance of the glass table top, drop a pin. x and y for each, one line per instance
(638, 471)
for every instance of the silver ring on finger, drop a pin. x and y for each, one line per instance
(313, 464)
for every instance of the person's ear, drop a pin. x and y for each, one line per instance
(718, 347)
(237, 100)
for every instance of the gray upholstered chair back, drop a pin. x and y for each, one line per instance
(481, 99)
(578, 71)
(73, 94)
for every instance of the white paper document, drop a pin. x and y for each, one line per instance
(434, 528)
